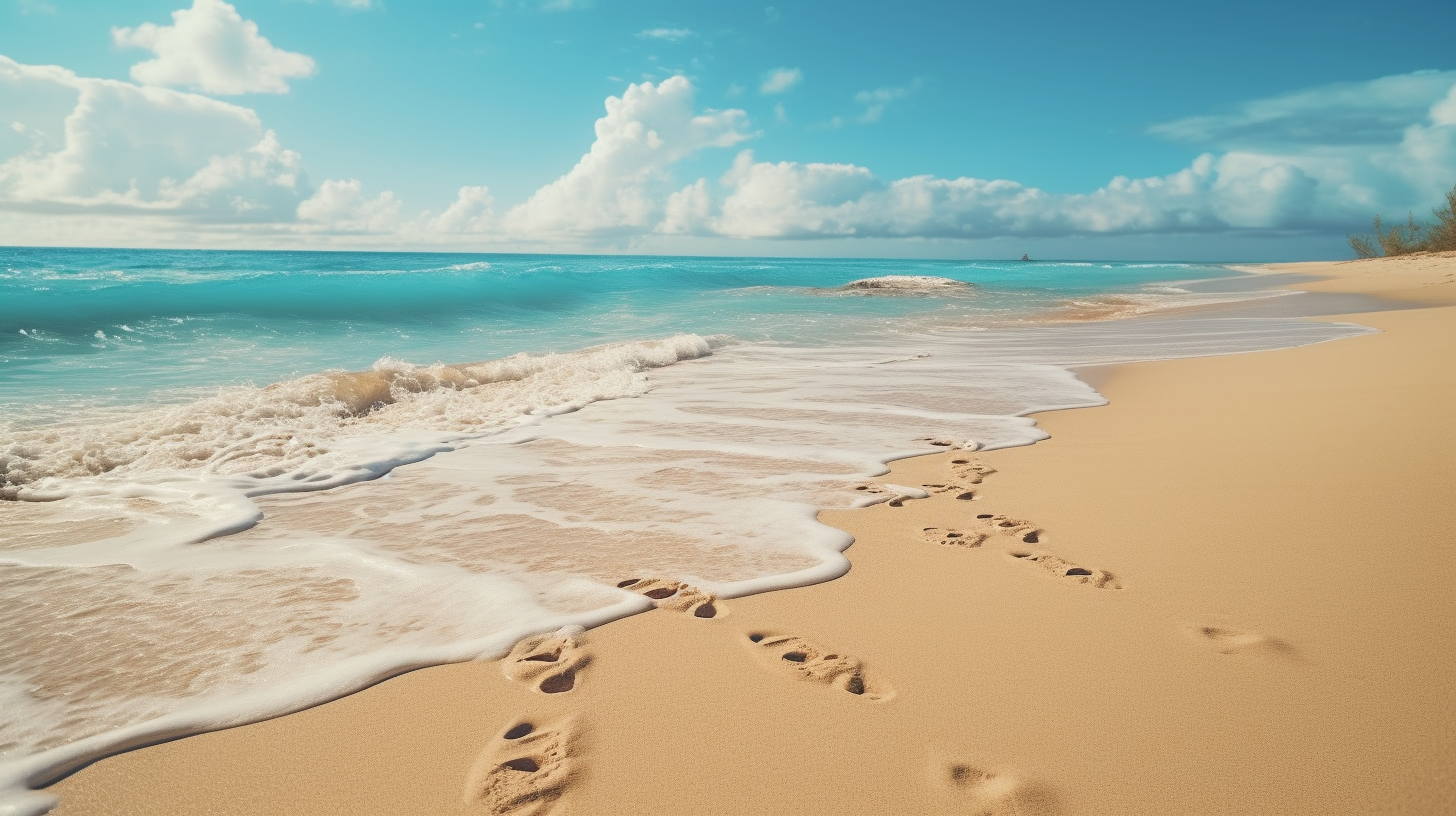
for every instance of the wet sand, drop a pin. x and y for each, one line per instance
(1226, 592)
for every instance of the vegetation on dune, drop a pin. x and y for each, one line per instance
(1403, 239)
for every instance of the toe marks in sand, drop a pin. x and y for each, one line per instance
(675, 595)
(1066, 570)
(1011, 535)
(954, 538)
(970, 471)
(524, 770)
(549, 663)
(807, 660)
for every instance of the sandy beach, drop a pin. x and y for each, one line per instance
(1227, 592)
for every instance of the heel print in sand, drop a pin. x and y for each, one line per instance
(807, 660)
(997, 792)
(1228, 640)
(525, 770)
(1012, 535)
(967, 472)
(549, 663)
(676, 596)
(970, 471)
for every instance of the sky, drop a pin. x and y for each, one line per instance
(1229, 131)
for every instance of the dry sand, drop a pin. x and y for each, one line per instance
(1273, 632)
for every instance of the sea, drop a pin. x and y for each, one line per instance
(236, 484)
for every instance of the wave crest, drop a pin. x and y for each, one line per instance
(271, 430)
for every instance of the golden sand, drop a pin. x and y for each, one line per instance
(1230, 591)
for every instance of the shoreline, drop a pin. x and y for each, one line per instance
(999, 685)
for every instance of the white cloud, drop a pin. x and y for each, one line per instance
(210, 47)
(36, 7)
(1444, 111)
(340, 206)
(617, 185)
(874, 102)
(1347, 113)
(106, 145)
(356, 5)
(1235, 191)
(472, 212)
(780, 80)
(85, 157)
(668, 34)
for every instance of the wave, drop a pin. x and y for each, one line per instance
(268, 431)
(692, 459)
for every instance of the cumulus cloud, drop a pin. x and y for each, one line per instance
(1346, 113)
(80, 148)
(341, 206)
(1234, 191)
(618, 186)
(210, 47)
(1305, 184)
(473, 211)
(668, 34)
(780, 80)
(77, 143)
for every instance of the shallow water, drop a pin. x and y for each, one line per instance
(209, 525)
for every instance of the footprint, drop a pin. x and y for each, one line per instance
(525, 769)
(1227, 640)
(551, 663)
(1007, 529)
(1066, 570)
(676, 596)
(810, 661)
(970, 470)
(997, 792)
(1003, 523)
(954, 538)
(960, 490)
(894, 495)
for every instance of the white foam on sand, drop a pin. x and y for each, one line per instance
(192, 567)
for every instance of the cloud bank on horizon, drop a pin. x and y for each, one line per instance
(159, 159)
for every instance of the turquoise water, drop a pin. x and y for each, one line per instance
(88, 327)
(234, 484)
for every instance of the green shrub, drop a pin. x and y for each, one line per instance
(1403, 239)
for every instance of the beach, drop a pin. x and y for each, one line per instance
(1225, 592)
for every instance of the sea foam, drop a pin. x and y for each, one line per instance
(184, 567)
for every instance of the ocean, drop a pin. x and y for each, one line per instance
(235, 484)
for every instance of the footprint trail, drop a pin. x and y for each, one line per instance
(806, 660)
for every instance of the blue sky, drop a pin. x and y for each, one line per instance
(1131, 130)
